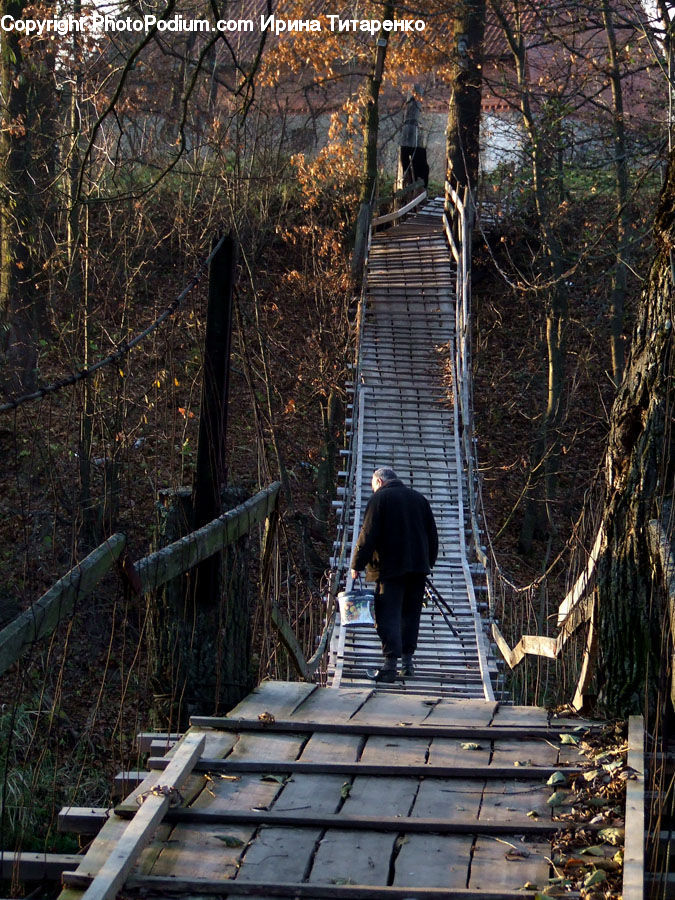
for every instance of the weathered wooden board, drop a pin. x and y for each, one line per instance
(280, 698)
(432, 860)
(512, 752)
(140, 831)
(496, 864)
(366, 857)
(383, 708)
(58, 603)
(459, 712)
(511, 801)
(214, 851)
(284, 854)
(446, 751)
(338, 706)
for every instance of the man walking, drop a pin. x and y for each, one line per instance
(397, 546)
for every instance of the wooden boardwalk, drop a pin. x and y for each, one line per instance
(311, 792)
(403, 419)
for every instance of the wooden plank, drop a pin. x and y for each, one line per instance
(510, 802)
(290, 641)
(367, 857)
(356, 726)
(279, 698)
(385, 710)
(23, 866)
(393, 216)
(579, 587)
(180, 556)
(205, 849)
(284, 854)
(343, 821)
(461, 712)
(145, 739)
(634, 848)
(82, 819)
(331, 706)
(204, 886)
(500, 866)
(110, 879)
(445, 751)
(435, 860)
(54, 606)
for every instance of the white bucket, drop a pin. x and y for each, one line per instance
(357, 607)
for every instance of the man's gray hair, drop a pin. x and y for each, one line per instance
(385, 474)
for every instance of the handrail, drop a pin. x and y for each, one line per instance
(397, 214)
(579, 587)
(578, 605)
(43, 616)
(173, 560)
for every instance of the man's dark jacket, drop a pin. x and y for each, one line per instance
(398, 535)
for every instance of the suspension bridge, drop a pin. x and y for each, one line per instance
(433, 787)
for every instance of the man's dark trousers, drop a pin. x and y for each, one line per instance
(398, 605)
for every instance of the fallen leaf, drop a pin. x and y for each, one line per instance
(229, 840)
(568, 739)
(516, 853)
(556, 778)
(558, 798)
(345, 790)
(607, 865)
(612, 835)
(470, 746)
(594, 878)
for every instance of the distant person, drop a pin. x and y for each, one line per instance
(397, 546)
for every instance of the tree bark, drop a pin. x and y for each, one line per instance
(619, 275)
(371, 127)
(463, 130)
(639, 472)
(17, 220)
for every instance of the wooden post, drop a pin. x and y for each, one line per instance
(211, 471)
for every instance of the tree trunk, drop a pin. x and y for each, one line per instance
(619, 274)
(17, 220)
(463, 131)
(639, 471)
(371, 126)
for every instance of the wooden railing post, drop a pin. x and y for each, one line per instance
(211, 472)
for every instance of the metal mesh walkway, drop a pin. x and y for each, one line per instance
(403, 419)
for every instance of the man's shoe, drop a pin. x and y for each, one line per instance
(386, 676)
(407, 667)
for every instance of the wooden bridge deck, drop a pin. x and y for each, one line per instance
(403, 419)
(307, 791)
